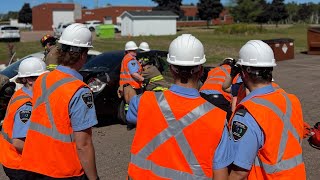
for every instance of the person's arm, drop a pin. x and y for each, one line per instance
(223, 156)
(83, 117)
(247, 139)
(20, 126)
(137, 76)
(133, 109)
(86, 153)
(220, 174)
(133, 69)
(238, 173)
(227, 84)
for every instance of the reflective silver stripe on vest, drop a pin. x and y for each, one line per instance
(218, 77)
(125, 73)
(127, 79)
(44, 98)
(6, 136)
(214, 82)
(174, 129)
(224, 70)
(18, 98)
(281, 164)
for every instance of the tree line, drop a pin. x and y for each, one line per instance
(250, 11)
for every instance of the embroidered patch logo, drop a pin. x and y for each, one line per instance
(133, 63)
(238, 130)
(88, 99)
(24, 116)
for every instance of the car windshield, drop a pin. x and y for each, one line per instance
(12, 70)
(108, 60)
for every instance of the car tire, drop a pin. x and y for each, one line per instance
(91, 29)
(122, 112)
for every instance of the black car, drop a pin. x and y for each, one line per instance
(102, 75)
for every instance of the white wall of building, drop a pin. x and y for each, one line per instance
(126, 26)
(62, 16)
(161, 26)
(148, 26)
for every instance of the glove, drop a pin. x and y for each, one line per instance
(314, 139)
(307, 130)
(236, 69)
(145, 81)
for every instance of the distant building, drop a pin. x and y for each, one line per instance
(145, 23)
(48, 14)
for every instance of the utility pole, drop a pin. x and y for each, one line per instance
(96, 3)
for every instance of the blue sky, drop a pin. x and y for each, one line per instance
(15, 5)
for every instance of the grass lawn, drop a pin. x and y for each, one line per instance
(217, 44)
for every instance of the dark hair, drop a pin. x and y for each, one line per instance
(259, 74)
(185, 72)
(69, 55)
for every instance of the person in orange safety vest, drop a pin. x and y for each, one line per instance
(59, 140)
(16, 121)
(267, 126)
(212, 89)
(187, 136)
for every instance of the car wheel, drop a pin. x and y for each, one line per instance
(91, 29)
(122, 112)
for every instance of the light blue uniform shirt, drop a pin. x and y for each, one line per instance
(22, 118)
(247, 146)
(82, 111)
(223, 154)
(133, 66)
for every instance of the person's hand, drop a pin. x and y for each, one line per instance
(307, 130)
(235, 69)
(120, 91)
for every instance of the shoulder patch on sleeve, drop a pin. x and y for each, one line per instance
(29, 104)
(133, 63)
(87, 99)
(241, 112)
(238, 130)
(24, 116)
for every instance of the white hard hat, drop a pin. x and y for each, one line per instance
(144, 46)
(76, 35)
(130, 46)
(256, 53)
(186, 50)
(31, 66)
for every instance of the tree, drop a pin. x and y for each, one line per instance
(246, 10)
(209, 9)
(278, 11)
(264, 16)
(169, 5)
(25, 14)
(292, 9)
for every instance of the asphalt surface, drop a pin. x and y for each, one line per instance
(299, 76)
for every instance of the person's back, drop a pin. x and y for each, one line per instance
(51, 58)
(156, 79)
(186, 137)
(267, 126)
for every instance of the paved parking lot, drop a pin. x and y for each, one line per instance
(300, 76)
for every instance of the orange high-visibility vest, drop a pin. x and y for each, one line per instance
(180, 140)
(50, 148)
(242, 91)
(9, 156)
(215, 79)
(280, 117)
(125, 76)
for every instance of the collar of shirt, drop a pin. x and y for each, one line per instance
(27, 91)
(260, 91)
(185, 92)
(70, 71)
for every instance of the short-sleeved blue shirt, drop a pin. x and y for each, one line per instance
(22, 118)
(246, 134)
(82, 111)
(223, 154)
(235, 87)
(133, 66)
